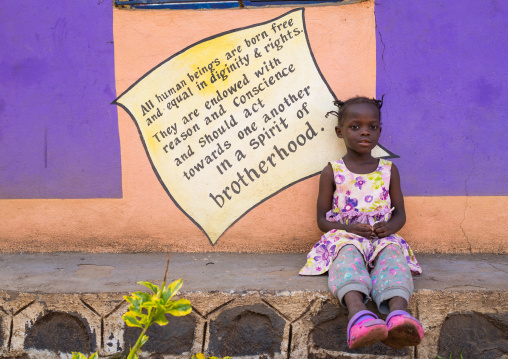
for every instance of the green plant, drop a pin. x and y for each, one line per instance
(146, 309)
(76, 355)
(450, 357)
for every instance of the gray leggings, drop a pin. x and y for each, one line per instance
(390, 277)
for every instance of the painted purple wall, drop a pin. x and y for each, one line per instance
(442, 66)
(58, 133)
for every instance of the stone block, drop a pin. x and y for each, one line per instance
(58, 332)
(54, 323)
(179, 338)
(329, 333)
(434, 308)
(321, 333)
(475, 335)
(113, 330)
(176, 338)
(247, 330)
(102, 303)
(291, 304)
(204, 303)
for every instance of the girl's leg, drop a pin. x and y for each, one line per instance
(392, 287)
(349, 280)
(392, 283)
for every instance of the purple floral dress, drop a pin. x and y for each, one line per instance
(357, 199)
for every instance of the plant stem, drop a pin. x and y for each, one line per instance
(138, 344)
(151, 315)
(166, 273)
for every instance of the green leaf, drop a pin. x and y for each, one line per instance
(144, 297)
(160, 318)
(76, 355)
(154, 288)
(179, 308)
(135, 302)
(171, 290)
(94, 356)
(135, 311)
(145, 320)
(151, 304)
(129, 298)
(131, 320)
(144, 339)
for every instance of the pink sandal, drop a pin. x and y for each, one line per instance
(403, 330)
(365, 331)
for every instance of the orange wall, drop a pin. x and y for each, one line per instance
(146, 219)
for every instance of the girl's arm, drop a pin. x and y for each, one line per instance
(324, 204)
(385, 229)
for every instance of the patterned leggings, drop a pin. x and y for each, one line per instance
(390, 277)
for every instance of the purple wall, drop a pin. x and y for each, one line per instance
(442, 66)
(58, 133)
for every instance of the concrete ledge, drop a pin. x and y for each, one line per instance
(246, 305)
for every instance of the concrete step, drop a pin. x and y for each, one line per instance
(245, 305)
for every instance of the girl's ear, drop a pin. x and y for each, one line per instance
(338, 131)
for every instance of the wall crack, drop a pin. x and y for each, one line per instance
(497, 268)
(384, 48)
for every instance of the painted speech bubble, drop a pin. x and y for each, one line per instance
(234, 119)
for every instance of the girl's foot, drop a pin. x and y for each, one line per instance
(365, 329)
(403, 330)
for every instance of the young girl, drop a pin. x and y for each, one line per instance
(360, 208)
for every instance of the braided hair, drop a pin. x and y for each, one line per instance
(342, 106)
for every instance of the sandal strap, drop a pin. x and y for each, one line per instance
(356, 317)
(396, 313)
(375, 322)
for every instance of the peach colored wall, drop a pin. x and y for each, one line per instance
(146, 219)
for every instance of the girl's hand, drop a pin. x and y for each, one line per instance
(383, 229)
(363, 230)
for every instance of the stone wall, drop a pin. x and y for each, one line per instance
(251, 324)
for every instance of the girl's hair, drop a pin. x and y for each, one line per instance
(343, 105)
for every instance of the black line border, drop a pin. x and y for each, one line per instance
(115, 102)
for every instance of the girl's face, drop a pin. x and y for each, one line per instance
(360, 127)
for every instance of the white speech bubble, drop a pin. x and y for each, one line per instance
(234, 119)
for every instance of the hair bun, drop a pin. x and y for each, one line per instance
(335, 113)
(380, 102)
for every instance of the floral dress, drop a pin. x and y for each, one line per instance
(357, 199)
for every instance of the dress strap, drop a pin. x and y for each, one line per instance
(385, 167)
(337, 165)
(338, 172)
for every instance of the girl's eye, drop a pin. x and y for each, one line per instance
(354, 127)
(374, 127)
